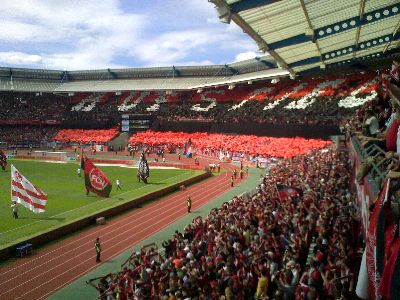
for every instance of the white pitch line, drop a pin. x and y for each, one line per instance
(87, 205)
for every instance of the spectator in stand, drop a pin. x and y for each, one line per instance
(238, 250)
(371, 125)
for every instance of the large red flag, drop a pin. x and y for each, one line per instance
(23, 192)
(95, 180)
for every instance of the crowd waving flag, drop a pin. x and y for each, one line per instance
(23, 192)
(284, 192)
(95, 180)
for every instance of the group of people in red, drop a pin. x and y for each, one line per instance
(259, 245)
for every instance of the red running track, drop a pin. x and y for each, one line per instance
(54, 266)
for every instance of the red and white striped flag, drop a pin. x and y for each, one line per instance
(23, 192)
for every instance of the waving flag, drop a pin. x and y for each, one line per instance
(23, 192)
(285, 192)
(95, 180)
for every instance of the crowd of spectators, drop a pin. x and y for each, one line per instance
(86, 136)
(217, 105)
(26, 136)
(31, 106)
(324, 111)
(260, 247)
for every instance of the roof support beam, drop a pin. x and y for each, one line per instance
(395, 33)
(311, 28)
(338, 27)
(361, 46)
(307, 61)
(249, 4)
(379, 41)
(267, 63)
(111, 73)
(262, 44)
(353, 60)
(361, 15)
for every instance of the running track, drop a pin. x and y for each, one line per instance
(54, 266)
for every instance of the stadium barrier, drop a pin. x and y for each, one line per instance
(47, 158)
(56, 233)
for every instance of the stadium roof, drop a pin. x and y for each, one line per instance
(158, 78)
(312, 34)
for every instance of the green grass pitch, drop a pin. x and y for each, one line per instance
(67, 200)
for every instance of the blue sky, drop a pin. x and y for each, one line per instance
(98, 34)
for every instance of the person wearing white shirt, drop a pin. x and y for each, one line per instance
(14, 207)
(118, 184)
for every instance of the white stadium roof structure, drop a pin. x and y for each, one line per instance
(141, 79)
(304, 35)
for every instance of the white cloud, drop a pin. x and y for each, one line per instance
(87, 34)
(19, 58)
(245, 55)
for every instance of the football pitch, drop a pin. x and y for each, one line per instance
(67, 200)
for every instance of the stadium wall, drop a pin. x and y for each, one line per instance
(46, 237)
(281, 130)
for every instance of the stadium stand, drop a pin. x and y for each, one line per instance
(298, 235)
(28, 136)
(248, 246)
(237, 145)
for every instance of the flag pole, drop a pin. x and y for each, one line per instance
(276, 188)
(11, 173)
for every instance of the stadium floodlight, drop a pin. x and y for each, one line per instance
(292, 76)
(199, 91)
(231, 86)
(117, 93)
(322, 66)
(250, 82)
(71, 94)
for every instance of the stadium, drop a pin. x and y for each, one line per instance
(270, 177)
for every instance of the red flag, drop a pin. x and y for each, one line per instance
(23, 192)
(394, 72)
(285, 192)
(371, 242)
(95, 180)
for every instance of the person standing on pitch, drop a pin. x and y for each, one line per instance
(232, 180)
(189, 204)
(14, 207)
(79, 172)
(98, 249)
(118, 184)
